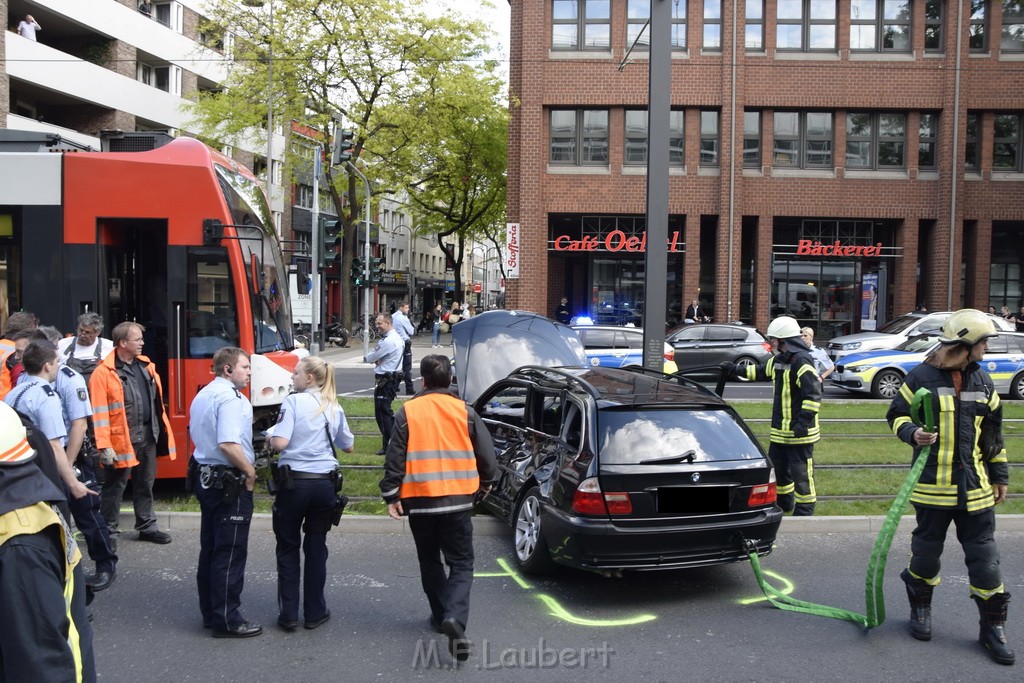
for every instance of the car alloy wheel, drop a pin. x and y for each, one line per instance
(530, 545)
(1017, 387)
(743, 362)
(887, 384)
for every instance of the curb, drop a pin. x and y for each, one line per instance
(485, 525)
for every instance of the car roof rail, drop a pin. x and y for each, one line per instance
(543, 372)
(686, 381)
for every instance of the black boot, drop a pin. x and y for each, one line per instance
(993, 620)
(919, 592)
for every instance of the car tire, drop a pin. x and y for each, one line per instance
(1017, 386)
(742, 363)
(886, 384)
(529, 543)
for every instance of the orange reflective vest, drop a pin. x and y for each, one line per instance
(439, 454)
(109, 420)
(6, 349)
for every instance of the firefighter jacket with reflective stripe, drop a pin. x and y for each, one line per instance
(968, 457)
(439, 452)
(797, 396)
(110, 419)
(6, 384)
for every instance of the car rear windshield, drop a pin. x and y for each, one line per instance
(633, 436)
(899, 324)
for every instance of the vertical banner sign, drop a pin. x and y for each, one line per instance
(512, 248)
(869, 301)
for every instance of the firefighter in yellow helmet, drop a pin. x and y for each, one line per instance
(45, 633)
(794, 429)
(965, 477)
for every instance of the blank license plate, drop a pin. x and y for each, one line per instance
(693, 499)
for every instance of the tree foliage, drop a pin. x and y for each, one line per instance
(373, 63)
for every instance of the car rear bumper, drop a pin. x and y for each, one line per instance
(597, 544)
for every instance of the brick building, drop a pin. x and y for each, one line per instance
(800, 131)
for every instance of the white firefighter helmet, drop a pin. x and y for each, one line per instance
(967, 326)
(14, 446)
(783, 327)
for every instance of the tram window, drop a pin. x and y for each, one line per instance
(210, 323)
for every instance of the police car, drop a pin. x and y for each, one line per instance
(881, 373)
(609, 346)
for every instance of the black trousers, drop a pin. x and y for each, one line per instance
(384, 392)
(306, 508)
(90, 521)
(407, 367)
(976, 535)
(223, 550)
(36, 639)
(450, 535)
(794, 472)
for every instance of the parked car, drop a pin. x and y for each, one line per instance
(619, 347)
(610, 469)
(607, 314)
(897, 331)
(881, 372)
(705, 345)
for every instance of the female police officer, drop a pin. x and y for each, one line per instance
(308, 427)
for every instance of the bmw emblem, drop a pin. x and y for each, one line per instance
(695, 477)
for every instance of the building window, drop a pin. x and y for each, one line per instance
(712, 25)
(927, 141)
(166, 78)
(304, 196)
(978, 39)
(579, 137)
(875, 141)
(802, 139)
(806, 25)
(754, 32)
(933, 25)
(752, 138)
(636, 137)
(637, 14)
(880, 25)
(1006, 143)
(581, 24)
(170, 14)
(709, 138)
(973, 136)
(1013, 26)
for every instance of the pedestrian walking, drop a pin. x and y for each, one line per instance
(439, 454)
(435, 332)
(131, 429)
(794, 427)
(223, 473)
(387, 376)
(406, 331)
(45, 634)
(965, 477)
(309, 426)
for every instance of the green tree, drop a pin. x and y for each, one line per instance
(362, 60)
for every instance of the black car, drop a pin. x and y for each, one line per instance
(610, 469)
(707, 345)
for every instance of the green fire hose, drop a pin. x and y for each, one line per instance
(873, 593)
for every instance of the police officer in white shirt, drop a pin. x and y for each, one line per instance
(387, 375)
(406, 331)
(822, 363)
(309, 426)
(223, 473)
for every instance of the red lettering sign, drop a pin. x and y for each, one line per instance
(614, 241)
(837, 248)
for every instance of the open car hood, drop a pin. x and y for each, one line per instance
(489, 346)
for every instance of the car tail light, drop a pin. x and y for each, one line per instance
(670, 355)
(767, 347)
(590, 500)
(763, 494)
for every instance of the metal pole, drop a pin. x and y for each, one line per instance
(656, 253)
(270, 101)
(316, 337)
(366, 258)
(412, 277)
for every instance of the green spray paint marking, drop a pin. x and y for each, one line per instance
(787, 588)
(555, 608)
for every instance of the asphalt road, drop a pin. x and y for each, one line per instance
(701, 625)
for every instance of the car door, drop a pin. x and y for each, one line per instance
(504, 410)
(722, 343)
(689, 346)
(1003, 360)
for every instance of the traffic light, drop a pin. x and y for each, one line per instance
(343, 145)
(377, 268)
(357, 272)
(304, 283)
(330, 243)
